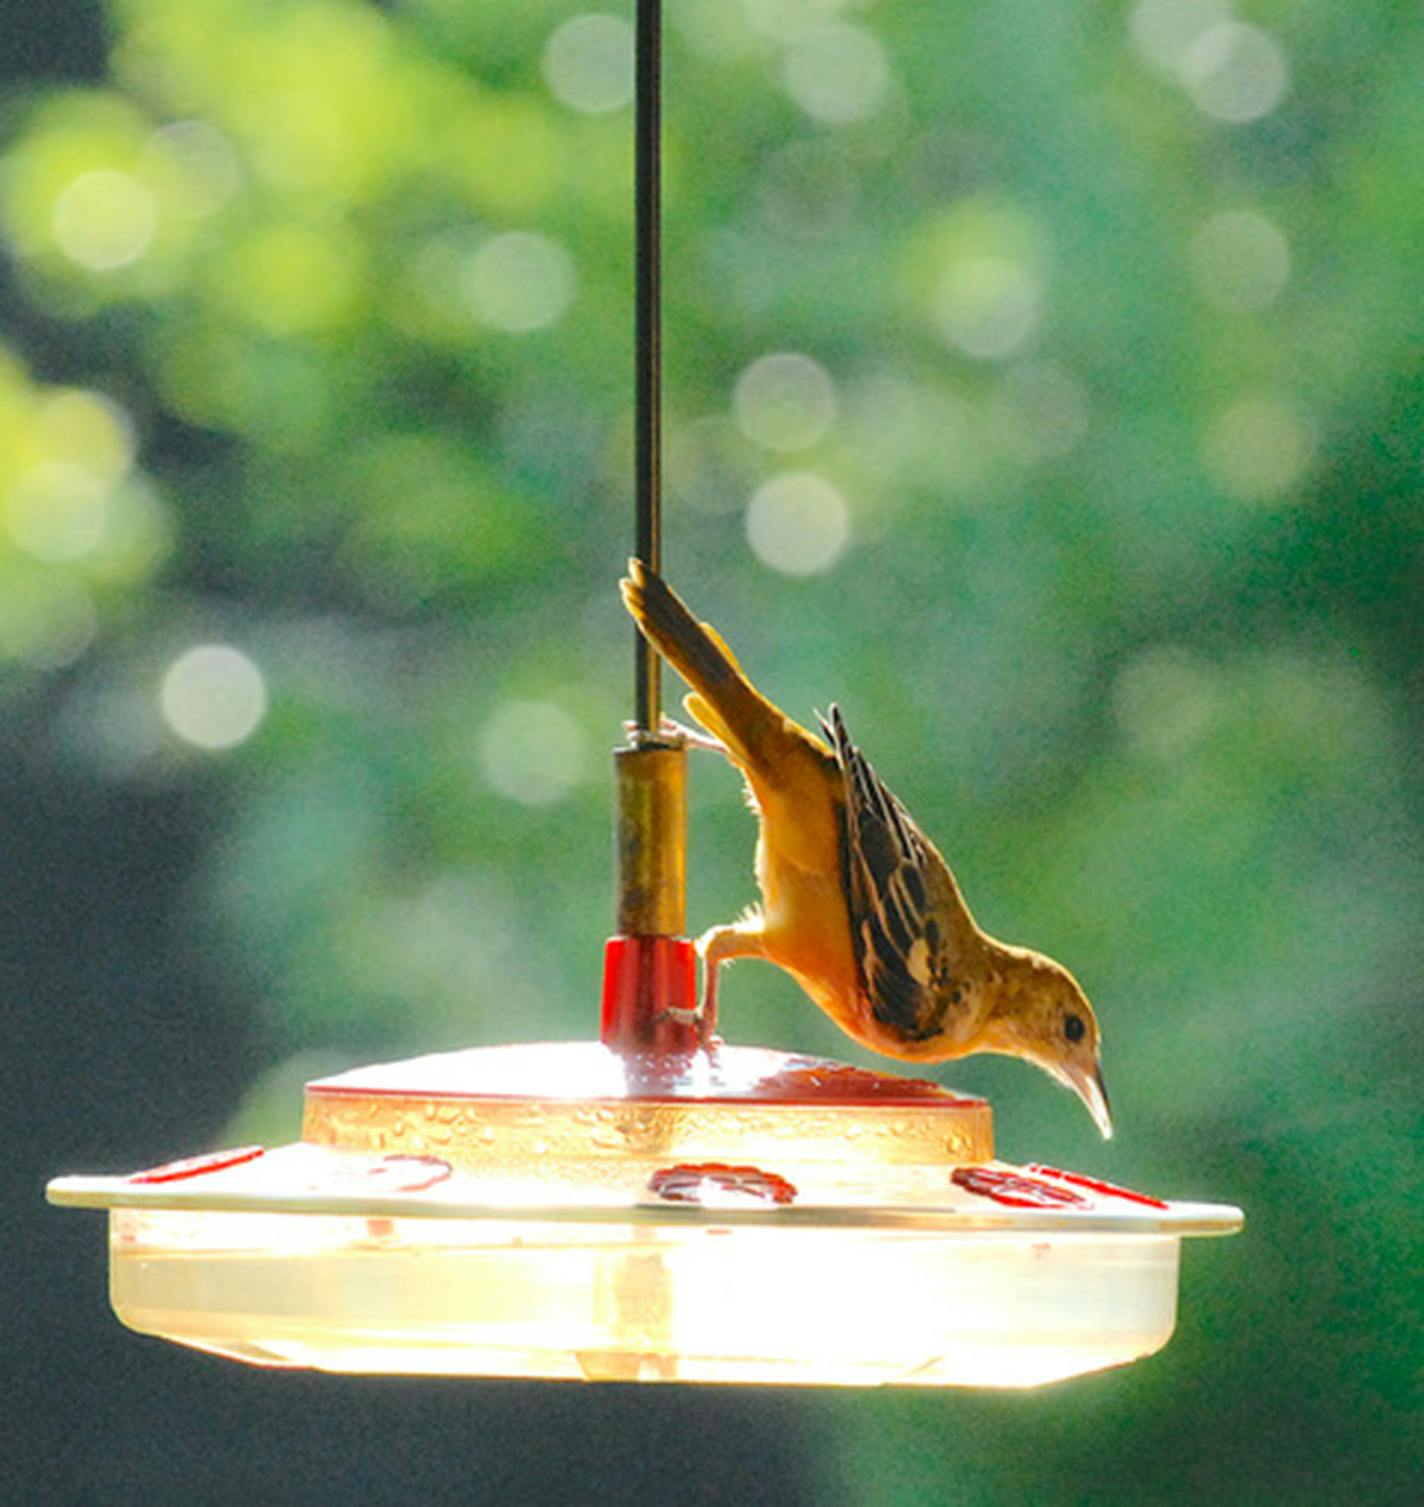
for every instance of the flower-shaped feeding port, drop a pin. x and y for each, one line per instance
(569, 1210)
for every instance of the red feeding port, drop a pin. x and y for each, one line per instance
(1014, 1191)
(391, 1174)
(196, 1166)
(1097, 1185)
(650, 995)
(687, 1182)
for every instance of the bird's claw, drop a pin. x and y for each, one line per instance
(704, 1025)
(675, 733)
(694, 739)
(640, 737)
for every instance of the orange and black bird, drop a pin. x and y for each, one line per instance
(856, 902)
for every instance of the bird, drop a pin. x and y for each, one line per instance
(857, 904)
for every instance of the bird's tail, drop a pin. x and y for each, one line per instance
(723, 700)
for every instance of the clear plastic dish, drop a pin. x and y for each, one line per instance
(571, 1211)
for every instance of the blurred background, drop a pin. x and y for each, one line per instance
(1044, 385)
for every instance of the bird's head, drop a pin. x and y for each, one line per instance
(1044, 1016)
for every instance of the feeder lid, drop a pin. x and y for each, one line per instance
(574, 1131)
(549, 1104)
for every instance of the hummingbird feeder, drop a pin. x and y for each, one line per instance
(650, 1206)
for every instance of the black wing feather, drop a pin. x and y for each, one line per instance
(885, 859)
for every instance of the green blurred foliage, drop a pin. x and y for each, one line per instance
(1111, 551)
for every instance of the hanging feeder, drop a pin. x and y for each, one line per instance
(647, 1207)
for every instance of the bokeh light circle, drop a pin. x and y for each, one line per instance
(520, 281)
(1259, 447)
(1165, 699)
(588, 63)
(87, 429)
(46, 622)
(1240, 260)
(532, 752)
(104, 220)
(788, 19)
(56, 511)
(784, 401)
(1165, 31)
(988, 306)
(199, 165)
(213, 696)
(1043, 409)
(837, 73)
(798, 523)
(1236, 73)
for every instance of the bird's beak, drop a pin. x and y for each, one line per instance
(1088, 1084)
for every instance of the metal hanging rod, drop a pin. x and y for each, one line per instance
(647, 273)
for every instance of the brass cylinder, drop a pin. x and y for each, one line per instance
(652, 840)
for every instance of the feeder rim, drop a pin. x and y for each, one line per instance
(1179, 1219)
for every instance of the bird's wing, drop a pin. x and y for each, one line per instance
(895, 934)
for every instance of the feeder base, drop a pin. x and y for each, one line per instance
(623, 1303)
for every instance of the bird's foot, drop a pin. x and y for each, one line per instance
(705, 1027)
(693, 738)
(676, 733)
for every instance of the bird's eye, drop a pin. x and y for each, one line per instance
(1073, 1027)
